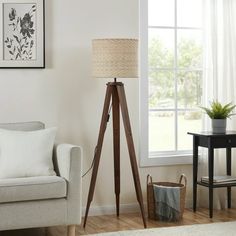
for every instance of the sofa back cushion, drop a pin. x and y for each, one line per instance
(26, 153)
(23, 126)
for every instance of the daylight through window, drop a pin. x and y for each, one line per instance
(174, 74)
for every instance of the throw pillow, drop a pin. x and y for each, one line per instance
(26, 153)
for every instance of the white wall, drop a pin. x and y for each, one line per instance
(65, 94)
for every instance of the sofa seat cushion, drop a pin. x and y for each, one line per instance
(32, 188)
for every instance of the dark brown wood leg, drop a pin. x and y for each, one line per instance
(211, 175)
(98, 149)
(132, 155)
(228, 167)
(195, 171)
(116, 145)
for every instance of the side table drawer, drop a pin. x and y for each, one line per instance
(220, 142)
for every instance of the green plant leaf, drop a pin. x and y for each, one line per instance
(219, 111)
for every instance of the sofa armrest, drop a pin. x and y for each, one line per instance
(68, 164)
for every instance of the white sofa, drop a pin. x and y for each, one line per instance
(48, 200)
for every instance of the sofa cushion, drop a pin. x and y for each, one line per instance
(26, 153)
(32, 188)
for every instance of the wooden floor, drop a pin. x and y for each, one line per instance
(100, 224)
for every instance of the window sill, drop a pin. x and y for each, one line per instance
(178, 159)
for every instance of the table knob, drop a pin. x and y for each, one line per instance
(229, 141)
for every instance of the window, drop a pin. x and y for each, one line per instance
(171, 79)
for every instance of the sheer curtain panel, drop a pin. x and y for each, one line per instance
(219, 81)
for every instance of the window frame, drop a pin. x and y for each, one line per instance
(166, 157)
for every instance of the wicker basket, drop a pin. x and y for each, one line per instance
(150, 195)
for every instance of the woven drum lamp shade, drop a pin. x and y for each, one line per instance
(115, 58)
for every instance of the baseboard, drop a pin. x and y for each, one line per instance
(111, 209)
(124, 208)
(188, 203)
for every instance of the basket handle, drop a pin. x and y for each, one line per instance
(183, 176)
(149, 179)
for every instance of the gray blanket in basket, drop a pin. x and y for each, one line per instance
(167, 202)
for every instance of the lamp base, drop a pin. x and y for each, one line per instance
(115, 92)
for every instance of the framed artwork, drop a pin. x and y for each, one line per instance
(22, 34)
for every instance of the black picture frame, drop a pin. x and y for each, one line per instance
(22, 34)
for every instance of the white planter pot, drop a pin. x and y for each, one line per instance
(218, 126)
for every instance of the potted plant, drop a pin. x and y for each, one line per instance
(219, 114)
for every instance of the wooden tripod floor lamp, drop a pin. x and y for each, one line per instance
(115, 58)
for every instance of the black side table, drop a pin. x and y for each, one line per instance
(212, 141)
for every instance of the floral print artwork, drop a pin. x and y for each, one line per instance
(19, 31)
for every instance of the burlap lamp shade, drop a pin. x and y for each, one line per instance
(115, 58)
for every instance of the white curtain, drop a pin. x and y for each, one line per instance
(219, 79)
